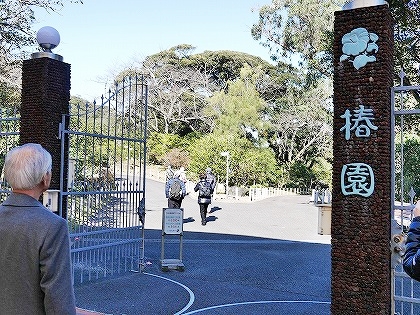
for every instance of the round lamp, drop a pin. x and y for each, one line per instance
(354, 4)
(48, 38)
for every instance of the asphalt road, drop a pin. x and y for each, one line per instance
(261, 257)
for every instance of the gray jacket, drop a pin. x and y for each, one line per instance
(35, 268)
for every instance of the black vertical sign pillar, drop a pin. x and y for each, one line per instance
(45, 98)
(361, 207)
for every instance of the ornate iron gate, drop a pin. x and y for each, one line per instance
(9, 138)
(406, 298)
(104, 189)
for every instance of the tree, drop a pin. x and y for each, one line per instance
(248, 165)
(301, 127)
(16, 18)
(248, 104)
(290, 29)
(238, 110)
(181, 83)
(407, 44)
(169, 149)
(177, 92)
(16, 36)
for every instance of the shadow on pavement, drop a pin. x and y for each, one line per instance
(249, 274)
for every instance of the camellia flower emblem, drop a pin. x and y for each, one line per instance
(359, 47)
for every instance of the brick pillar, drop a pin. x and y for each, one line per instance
(45, 98)
(361, 207)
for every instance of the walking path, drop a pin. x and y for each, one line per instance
(262, 257)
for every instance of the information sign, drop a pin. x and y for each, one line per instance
(172, 221)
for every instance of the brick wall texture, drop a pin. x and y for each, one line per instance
(45, 98)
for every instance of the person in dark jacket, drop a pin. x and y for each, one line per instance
(204, 197)
(211, 179)
(175, 201)
(35, 264)
(411, 262)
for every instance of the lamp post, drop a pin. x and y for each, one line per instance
(226, 154)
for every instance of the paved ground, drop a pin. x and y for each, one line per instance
(261, 257)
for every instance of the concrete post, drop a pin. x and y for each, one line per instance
(361, 206)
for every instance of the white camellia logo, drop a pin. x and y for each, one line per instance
(359, 47)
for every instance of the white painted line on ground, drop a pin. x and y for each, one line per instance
(254, 302)
(191, 293)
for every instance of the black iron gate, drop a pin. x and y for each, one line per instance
(9, 138)
(104, 193)
(406, 297)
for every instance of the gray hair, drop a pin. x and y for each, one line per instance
(26, 165)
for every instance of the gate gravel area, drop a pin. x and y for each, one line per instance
(261, 257)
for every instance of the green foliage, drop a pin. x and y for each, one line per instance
(9, 97)
(16, 34)
(9, 108)
(406, 34)
(411, 170)
(222, 66)
(322, 171)
(291, 31)
(160, 145)
(258, 166)
(238, 110)
(205, 152)
(248, 165)
(300, 175)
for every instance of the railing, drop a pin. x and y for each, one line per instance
(261, 193)
(254, 193)
(322, 196)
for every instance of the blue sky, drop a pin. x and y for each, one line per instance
(99, 37)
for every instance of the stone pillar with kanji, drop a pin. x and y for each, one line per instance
(361, 205)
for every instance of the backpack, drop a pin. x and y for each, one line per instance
(205, 189)
(175, 191)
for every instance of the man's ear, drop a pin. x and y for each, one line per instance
(46, 179)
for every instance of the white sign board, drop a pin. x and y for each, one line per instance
(172, 221)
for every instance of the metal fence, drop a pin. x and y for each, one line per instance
(406, 297)
(105, 191)
(9, 138)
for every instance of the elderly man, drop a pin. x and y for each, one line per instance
(35, 270)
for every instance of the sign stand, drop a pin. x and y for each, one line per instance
(172, 224)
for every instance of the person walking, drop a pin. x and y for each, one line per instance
(182, 175)
(35, 264)
(204, 196)
(175, 191)
(169, 173)
(211, 179)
